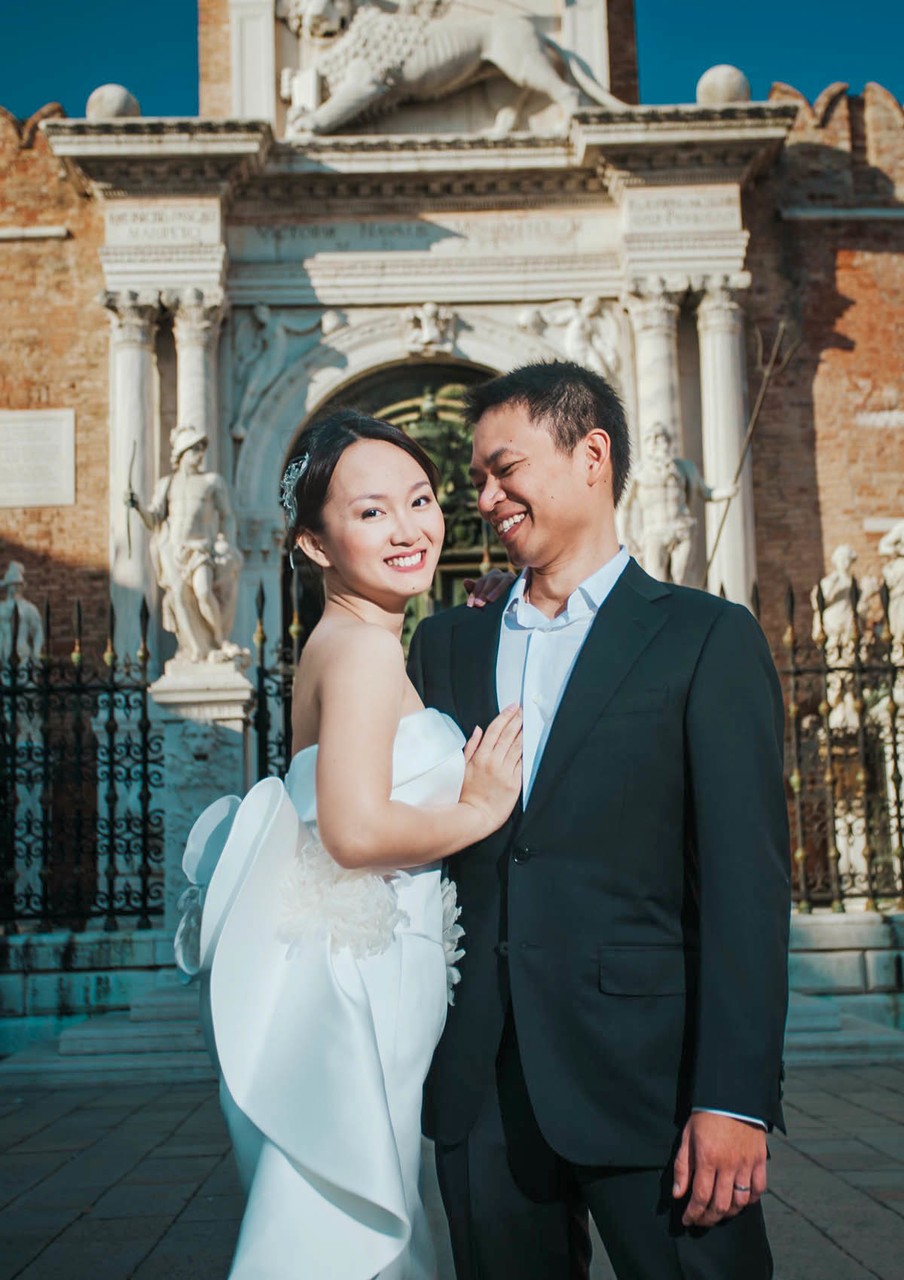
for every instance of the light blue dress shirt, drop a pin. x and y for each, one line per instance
(537, 655)
(535, 659)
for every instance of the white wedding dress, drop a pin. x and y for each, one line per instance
(328, 992)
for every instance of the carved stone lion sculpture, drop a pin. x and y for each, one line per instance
(373, 61)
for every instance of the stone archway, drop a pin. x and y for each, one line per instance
(327, 373)
(329, 369)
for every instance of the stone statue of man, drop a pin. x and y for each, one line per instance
(193, 551)
(30, 637)
(837, 621)
(891, 548)
(662, 487)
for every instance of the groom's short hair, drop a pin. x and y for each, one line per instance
(571, 400)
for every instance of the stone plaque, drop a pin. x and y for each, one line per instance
(37, 457)
(667, 210)
(132, 223)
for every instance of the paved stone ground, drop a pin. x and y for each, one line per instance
(112, 1182)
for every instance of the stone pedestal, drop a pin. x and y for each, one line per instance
(204, 710)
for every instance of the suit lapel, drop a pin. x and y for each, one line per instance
(474, 648)
(627, 621)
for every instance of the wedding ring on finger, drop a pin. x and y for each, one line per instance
(741, 1190)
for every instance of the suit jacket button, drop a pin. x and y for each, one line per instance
(502, 948)
(521, 854)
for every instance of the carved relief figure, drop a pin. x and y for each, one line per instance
(193, 551)
(30, 634)
(892, 547)
(590, 332)
(429, 329)
(662, 488)
(373, 61)
(267, 358)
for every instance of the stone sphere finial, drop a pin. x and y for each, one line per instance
(111, 102)
(721, 86)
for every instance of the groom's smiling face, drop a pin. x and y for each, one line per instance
(534, 494)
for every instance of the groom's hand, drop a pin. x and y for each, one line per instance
(722, 1164)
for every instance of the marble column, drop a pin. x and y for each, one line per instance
(723, 395)
(252, 48)
(132, 365)
(196, 327)
(654, 318)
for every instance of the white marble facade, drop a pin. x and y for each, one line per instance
(282, 267)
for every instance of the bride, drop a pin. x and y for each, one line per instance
(323, 921)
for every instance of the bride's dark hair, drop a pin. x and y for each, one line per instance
(306, 481)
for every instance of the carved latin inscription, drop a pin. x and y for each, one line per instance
(437, 235)
(692, 209)
(154, 223)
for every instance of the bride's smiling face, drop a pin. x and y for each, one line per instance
(382, 527)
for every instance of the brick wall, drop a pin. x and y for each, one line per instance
(623, 50)
(215, 88)
(53, 354)
(827, 455)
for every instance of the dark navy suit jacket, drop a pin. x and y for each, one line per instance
(636, 914)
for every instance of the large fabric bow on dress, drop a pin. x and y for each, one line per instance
(296, 1047)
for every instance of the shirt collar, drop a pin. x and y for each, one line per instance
(584, 600)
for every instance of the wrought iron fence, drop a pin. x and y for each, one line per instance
(82, 768)
(844, 683)
(272, 718)
(81, 839)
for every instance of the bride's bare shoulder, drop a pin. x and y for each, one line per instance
(344, 667)
(344, 648)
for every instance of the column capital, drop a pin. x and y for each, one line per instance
(720, 306)
(197, 313)
(654, 302)
(133, 314)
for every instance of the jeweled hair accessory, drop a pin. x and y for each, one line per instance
(294, 471)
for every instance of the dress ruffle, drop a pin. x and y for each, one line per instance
(452, 935)
(355, 909)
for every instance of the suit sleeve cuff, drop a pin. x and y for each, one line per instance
(733, 1115)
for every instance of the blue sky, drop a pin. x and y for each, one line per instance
(61, 49)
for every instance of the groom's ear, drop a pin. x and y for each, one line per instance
(597, 455)
(310, 545)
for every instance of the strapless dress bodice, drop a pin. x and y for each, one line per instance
(427, 769)
(427, 764)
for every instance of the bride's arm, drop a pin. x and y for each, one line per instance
(361, 693)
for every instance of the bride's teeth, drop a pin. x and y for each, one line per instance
(406, 562)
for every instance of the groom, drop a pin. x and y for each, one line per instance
(615, 1044)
